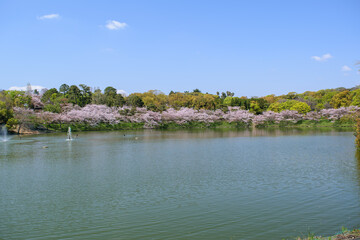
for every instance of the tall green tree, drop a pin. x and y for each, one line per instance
(74, 95)
(85, 95)
(46, 97)
(64, 88)
(112, 98)
(98, 97)
(110, 91)
(135, 101)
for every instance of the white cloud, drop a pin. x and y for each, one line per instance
(115, 25)
(49, 16)
(345, 68)
(322, 58)
(122, 92)
(33, 87)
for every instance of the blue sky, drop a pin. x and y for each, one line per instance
(252, 48)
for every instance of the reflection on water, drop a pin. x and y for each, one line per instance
(216, 133)
(251, 184)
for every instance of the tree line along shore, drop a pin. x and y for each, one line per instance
(84, 108)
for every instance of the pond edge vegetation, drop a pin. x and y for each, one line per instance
(345, 234)
(85, 109)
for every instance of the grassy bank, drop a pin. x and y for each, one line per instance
(311, 124)
(344, 235)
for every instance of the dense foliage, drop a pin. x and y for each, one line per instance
(82, 105)
(93, 115)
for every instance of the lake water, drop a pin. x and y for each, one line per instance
(257, 184)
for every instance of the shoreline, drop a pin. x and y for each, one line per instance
(344, 235)
(128, 126)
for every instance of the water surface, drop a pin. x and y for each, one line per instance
(179, 185)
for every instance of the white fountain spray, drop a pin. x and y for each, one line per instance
(69, 136)
(4, 136)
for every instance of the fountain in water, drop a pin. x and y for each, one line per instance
(69, 136)
(4, 136)
(9, 139)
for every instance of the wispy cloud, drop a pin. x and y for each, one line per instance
(49, 16)
(33, 87)
(115, 25)
(322, 58)
(345, 68)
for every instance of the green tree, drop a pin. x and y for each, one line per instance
(55, 108)
(112, 98)
(229, 94)
(97, 97)
(85, 95)
(284, 105)
(355, 98)
(64, 88)
(275, 107)
(301, 107)
(319, 106)
(11, 122)
(291, 95)
(262, 103)
(118, 101)
(254, 107)
(342, 99)
(52, 100)
(16, 98)
(327, 96)
(228, 101)
(287, 104)
(5, 112)
(135, 101)
(46, 97)
(73, 95)
(110, 91)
